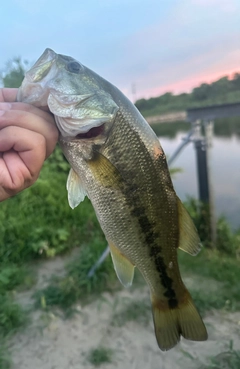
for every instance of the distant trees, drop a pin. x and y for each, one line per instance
(14, 72)
(202, 92)
(236, 81)
(224, 90)
(215, 89)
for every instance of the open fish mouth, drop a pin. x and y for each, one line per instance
(96, 134)
(92, 133)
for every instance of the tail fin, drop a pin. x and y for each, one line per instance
(183, 320)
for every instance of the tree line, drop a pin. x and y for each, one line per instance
(224, 90)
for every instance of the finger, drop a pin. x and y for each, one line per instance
(28, 108)
(27, 145)
(32, 122)
(8, 94)
(14, 174)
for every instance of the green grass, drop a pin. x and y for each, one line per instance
(213, 266)
(227, 240)
(12, 315)
(5, 361)
(66, 291)
(138, 311)
(13, 275)
(99, 356)
(39, 223)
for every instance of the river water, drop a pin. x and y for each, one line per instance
(224, 161)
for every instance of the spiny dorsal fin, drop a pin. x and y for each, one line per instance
(123, 267)
(188, 237)
(76, 192)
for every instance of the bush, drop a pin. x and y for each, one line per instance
(39, 222)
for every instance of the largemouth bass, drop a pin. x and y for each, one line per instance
(118, 162)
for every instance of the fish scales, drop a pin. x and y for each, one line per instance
(118, 162)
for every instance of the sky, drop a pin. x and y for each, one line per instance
(144, 47)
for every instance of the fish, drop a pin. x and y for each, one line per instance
(117, 162)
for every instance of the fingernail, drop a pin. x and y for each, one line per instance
(5, 106)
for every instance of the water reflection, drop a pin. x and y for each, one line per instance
(224, 164)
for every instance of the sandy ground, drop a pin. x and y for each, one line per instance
(51, 342)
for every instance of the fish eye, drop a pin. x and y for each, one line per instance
(73, 67)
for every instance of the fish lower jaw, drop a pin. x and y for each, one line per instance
(31, 93)
(94, 136)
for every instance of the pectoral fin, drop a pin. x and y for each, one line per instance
(123, 267)
(105, 173)
(76, 192)
(188, 237)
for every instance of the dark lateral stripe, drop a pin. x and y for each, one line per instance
(150, 237)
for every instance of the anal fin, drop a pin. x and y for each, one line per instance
(123, 267)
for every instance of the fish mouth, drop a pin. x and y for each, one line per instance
(93, 133)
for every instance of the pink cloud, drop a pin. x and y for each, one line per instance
(224, 67)
(187, 85)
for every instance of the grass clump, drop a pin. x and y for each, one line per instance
(13, 275)
(99, 356)
(12, 315)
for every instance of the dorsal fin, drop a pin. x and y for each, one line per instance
(188, 237)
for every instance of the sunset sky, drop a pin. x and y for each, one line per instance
(157, 45)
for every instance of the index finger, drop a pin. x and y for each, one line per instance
(8, 94)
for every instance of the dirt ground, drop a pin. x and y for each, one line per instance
(52, 342)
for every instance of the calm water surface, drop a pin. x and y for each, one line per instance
(224, 167)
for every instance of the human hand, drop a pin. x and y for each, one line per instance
(28, 135)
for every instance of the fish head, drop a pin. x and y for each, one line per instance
(73, 93)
